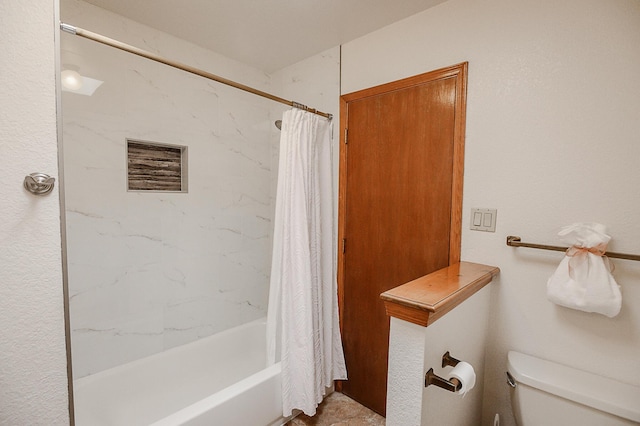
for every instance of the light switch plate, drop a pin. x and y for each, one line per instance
(483, 219)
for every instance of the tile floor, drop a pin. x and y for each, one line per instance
(340, 410)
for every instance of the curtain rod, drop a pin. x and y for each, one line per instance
(145, 54)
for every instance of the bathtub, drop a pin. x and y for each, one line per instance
(218, 380)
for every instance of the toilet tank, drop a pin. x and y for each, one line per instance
(550, 394)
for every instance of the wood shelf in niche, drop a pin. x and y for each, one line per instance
(155, 167)
(424, 300)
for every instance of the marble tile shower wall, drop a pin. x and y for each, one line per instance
(151, 271)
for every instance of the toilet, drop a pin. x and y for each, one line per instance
(544, 393)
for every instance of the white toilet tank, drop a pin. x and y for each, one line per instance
(550, 394)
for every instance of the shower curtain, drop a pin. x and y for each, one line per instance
(303, 305)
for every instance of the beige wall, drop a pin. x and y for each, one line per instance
(33, 375)
(553, 120)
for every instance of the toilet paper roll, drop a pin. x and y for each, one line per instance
(467, 376)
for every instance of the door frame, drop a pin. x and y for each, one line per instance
(459, 72)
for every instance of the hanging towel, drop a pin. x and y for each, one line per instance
(583, 280)
(303, 299)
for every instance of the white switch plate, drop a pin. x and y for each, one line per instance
(483, 220)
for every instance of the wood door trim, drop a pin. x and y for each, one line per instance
(458, 162)
(454, 71)
(459, 72)
(342, 210)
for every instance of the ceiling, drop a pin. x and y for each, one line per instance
(266, 34)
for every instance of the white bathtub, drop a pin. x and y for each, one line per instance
(220, 380)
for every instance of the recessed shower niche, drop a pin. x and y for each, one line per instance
(156, 167)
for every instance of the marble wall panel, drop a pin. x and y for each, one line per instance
(150, 271)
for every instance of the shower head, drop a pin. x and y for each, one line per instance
(279, 124)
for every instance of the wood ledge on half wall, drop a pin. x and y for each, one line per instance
(424, 300)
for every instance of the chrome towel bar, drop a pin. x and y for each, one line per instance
(514, 241)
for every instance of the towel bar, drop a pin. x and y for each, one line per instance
(514, 241)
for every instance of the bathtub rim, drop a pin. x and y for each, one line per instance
(87, 380)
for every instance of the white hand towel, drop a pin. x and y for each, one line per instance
(583, 279)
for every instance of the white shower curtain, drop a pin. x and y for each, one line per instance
(303, 302)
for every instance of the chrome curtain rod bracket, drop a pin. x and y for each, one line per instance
(39, 183)
(68, 28)
(149, 55)
(514, 241)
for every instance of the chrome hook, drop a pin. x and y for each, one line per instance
(39, 183)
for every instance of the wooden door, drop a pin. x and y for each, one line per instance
(400, 208)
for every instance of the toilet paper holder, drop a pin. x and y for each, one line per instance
(431, 378)
(448, 360)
